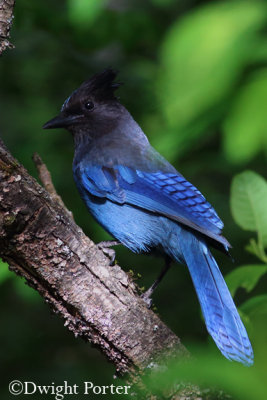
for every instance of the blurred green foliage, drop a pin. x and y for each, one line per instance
(249, 209)
(213, 376)
(245, 128)
(195, 80)
(248, 204)
(83, 12)
(203, 58)
(4, 272)
(245, 277)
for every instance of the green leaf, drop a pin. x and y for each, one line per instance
(245, 128)
(246, 277)
(249, 203)
(200, 65)
(256, 306)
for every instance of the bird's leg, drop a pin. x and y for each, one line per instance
(148, 293)
(105, 246)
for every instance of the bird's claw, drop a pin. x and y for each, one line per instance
(146, 297)
(106, 248)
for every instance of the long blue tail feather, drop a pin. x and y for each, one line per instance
(221, 316)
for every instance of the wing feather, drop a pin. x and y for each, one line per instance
(165, 193)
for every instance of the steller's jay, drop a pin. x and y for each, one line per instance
(143, 202)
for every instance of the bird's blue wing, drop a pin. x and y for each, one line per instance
(173, 195)
(165, 193)
(101, 182)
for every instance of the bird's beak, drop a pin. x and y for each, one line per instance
(61, 121)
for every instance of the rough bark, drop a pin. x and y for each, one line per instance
(6, 18)
(41, 242)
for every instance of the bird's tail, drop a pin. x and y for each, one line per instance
(220, 313)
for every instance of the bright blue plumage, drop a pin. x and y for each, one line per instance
(141, 200)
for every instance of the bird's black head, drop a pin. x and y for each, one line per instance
(92, 104)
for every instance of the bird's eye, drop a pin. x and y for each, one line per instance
(89, 105)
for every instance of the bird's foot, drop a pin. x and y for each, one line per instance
(108, 243)
(147, 297)
(105, 246)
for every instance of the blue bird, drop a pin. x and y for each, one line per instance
(144, 203)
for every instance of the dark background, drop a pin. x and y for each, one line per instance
(195, 78)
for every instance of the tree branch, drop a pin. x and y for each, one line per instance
(46, 180)
(6, 18)
(41, 242)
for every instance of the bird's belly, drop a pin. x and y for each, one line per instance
(137, 229)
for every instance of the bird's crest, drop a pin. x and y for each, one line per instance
(102, 85)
